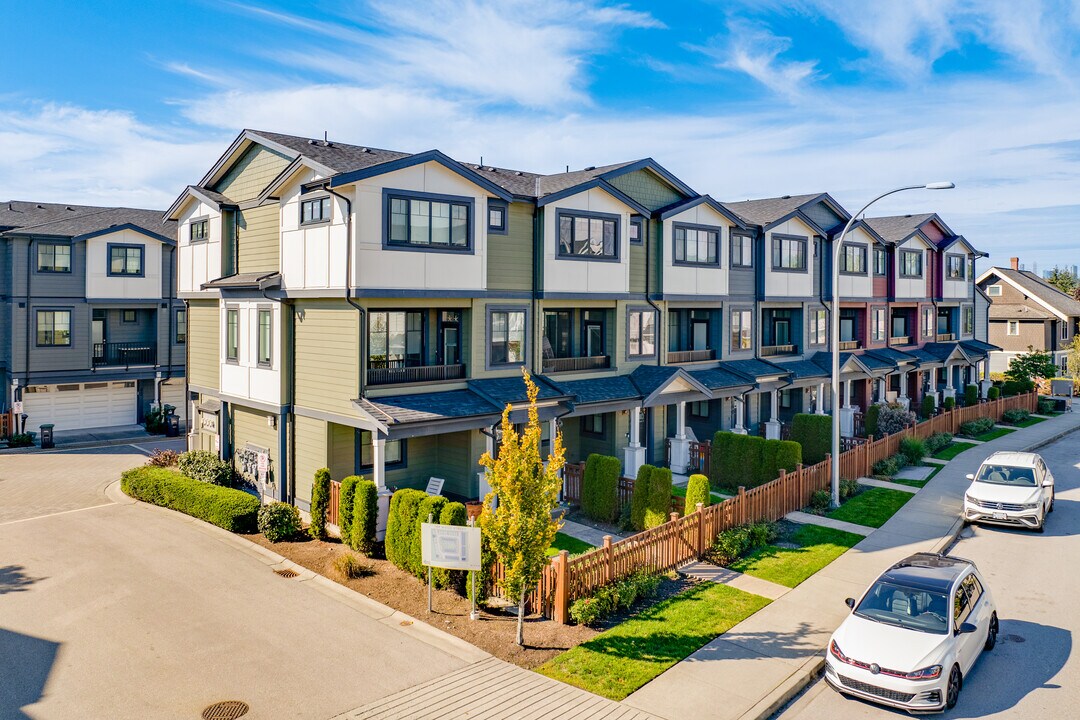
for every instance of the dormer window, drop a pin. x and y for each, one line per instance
(588, 236)
(315, 210)
(199, 230)
(126, 260)
(954, 267)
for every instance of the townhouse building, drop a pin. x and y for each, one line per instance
(370, 311)
(91, 334)
(1027, 312)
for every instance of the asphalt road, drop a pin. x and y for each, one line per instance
(1034, 672)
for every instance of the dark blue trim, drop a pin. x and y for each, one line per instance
(321, 221)
(638, 222)
(38, 244)
(125, 226)
(866, 259)
(488, 311)
(718, 229)
(498, 205)
(283, 454)
(419, 159)
(108, 260)
(390, 194)
(731, 250)
(70, 310)
(773, 237)
(193, 221)
(922, 265)
(708, 200)
(596, 183)
(559, 255)
(656, 168)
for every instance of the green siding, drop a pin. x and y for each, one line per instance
(250, 426)
(327, 355)
(340, 455)
(249, 176)
(203, 343)
(579, 445)
(509, 263)
(310, 442)
(448, 456)
(259, 230)
(647, 189)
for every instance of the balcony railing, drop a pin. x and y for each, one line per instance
(570, 364)
(675, 357)
(900, 340)
(946, 337)
(418, 373)
(850, 344)
(774, 350)
(125, 353)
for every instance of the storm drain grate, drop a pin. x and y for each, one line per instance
(227, 710)
(285, 573)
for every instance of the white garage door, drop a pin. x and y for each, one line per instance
(77, 406)
(174, 393)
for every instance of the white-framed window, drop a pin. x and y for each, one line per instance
(1064, 330)
(1013, 328)
(877, 325)
(641, 335)
(818, 333)
(994, 291)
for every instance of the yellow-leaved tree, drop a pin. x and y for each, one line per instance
(519, 528)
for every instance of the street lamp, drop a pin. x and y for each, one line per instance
(834, 335)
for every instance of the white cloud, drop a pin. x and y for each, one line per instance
(753, 49)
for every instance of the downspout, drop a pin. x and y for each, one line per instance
(538, 347)
(29, 324)
(648, 295)
(348, 286)
(171, 337)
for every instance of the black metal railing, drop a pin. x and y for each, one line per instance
(125, 353)
(400, 373)
(569, 364)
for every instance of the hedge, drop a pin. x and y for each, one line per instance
(697, 491)
(814, 434)
(639, 500)
(453, 513)
(234, 510)
(870, 420)
(365, 513)
(971, 395)
(600, 488)
(777, 455)
(279, 521)
(658, 508)
(431, 506)
(346, 496)
(749, 461)
(205, 466)
(320, 501)
(949, 404)
(928, 407)
(400, 526)
(993, 393)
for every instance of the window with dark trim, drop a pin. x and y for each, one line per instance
(742, 251)
(393, 452)
(54, 328)
(232, 334)
(449, 351)
(641, 336)
(126, 259)
(181, 327)
(911, 263)
(426, 223)
(967, 314)
(395, 339)
(315, 210)
(994, 291)
(695, 245)
(588, 235)
(637, 231)
(266, 338)
(699, 409)
(558, 333)
(506, 337)
(877, 324)
(199, 230)
(497, 217)
(128, 316)
(954, 267)
(54, 258)
(928, 322)
(818, 332)
(593, 425)
(853, 259)
(742, 330)
(788, 253)
(881, 262)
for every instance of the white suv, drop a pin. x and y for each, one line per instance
(1011, 488)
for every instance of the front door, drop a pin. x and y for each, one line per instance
(699, 335)
(594, 339)
(97, 334)
(782, 332)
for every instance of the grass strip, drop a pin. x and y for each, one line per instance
(568, 543)
(994, 434)
(617, 662)
(1029, 422)
(872, 507)
(818, 546)
(952, 450)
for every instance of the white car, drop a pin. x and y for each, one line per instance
(1011, 488)
(914, 635)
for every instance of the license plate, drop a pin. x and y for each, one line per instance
(1001, 516)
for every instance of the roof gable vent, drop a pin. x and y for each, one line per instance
(591, 167)
(785, 197)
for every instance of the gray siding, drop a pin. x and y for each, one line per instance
(982, 308)
(741, 282)
(820, 213)
(47, 359)
(49, 285)
(144, 329)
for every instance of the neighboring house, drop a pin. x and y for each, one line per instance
(370, 311)
(1027, 312)
(90, 332)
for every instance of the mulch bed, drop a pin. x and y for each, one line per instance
(493, 632)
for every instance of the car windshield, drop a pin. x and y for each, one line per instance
(906, 607)
(1006, 475)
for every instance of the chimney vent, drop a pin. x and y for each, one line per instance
(1015, 262)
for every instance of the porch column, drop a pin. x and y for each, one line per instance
(950, 391)
(378, 476)
(984, 378)
(740, 415)
(903, 398)
(881, 390)
(847, 413)
(680, 446)
(634, 454)
(819, 409)
(772, 427)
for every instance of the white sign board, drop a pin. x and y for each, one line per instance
(263, 466)
(16, 407)
(454, 547)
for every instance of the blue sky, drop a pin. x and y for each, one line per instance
(116, 102)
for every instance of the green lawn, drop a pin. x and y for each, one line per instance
(680, 491)
(570, 544)
(818, 546)
(994, 434)
(871, 507)
(1029, 422)
(617, 662)
(952, 450)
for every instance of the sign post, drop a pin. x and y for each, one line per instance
(452, 547)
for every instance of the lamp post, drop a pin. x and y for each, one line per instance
(834, 330)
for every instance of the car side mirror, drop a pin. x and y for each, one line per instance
(970, 476)
(850, 602)
(967, 628)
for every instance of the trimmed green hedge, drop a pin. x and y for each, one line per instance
(993, 392)
(431, 506)
(234, 510)
(400, 525)
(697, 491)
(971, 395)
(658, 508)
(205, 466)
(346, 495)
(365, 513)
(639, 500)
(749, 461)
(870, 420)
(777, 455)
(928, 407)
(814, 434)
(320, 501)
(600, 488)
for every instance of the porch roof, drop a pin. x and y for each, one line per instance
(429, 407)
(754, 368)
(892, 356)
(717, 379)
(511, 390)
(947, 351)
(978, 348)
(804, 369)
(924, 357)
(823, 359)
(654, 381)
(600, 390)
(245, 281)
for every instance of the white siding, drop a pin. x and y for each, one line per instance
(586, 276)
(244, 377)
(911, 287)
(201, 262)
(859, 286)
(312, 257)
(790, 284)
(99, 284)
(705, 280)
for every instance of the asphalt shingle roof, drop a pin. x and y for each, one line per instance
(76, 220)
(598, 390)
(978, 347)
(338, 156)
(1039, 288)
(720, 379)
(768, 210)
(895, 228)
(890, 355)
(803, 369)
(1016, 311)
(426, 407)
(260, 280)
(510, 390)
(647, 378)
(753, 368)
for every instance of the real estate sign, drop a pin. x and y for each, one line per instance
(454, 547)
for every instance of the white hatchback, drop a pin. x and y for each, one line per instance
(1011, 488)
(914, 635)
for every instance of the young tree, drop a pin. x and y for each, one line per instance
(1073, 358)
(520, 528)
(1032, 365)
(1063, 280)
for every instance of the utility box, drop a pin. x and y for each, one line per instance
(47, 436)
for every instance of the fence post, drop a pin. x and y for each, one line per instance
(700, 529)
(741, 515)
(561, 611)
(610, 553)
(673, 517)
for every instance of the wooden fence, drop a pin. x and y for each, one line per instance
(7, 425)
(335, 497)
(684, 538)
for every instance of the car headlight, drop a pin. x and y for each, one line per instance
(930, 673)
(969, 499)
(836, 653)
(1031, 506)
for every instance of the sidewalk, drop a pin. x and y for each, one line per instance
(761, 663)
(96, 437)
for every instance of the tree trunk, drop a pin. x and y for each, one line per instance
(521, 619)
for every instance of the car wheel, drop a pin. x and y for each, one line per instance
(952, 693)
(991, 633)
(1051, 503)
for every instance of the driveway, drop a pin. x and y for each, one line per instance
(1033, 672)
(122, 610)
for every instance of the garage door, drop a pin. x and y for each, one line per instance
(174, 393)
(77, 406)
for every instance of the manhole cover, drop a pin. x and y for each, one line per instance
(1014, 638)
(227, 710)
(285, 573)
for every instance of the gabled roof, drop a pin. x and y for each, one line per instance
(824, 359)
(1036, 288)
(81, 221)
(702, 199)
(961, 240)
(1018, 311)
(596, 183)
(418, 159)
(652, 380)
(862, 225)
(978, 348)
(896, 229)
(944, 351)
(548, 184)
(768, 212)
(245, 281)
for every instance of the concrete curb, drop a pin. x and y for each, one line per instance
(143, 439)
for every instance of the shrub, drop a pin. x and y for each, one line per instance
(483, 576)
(938, 441)
(639, 500)
(849, 487)
(154, 421)
(320, 501)
(430, 507)
(600, 488)
(697, 491)
(971, 395)
(365, 514)
(894, 418)
(346, 496)
(1014, 416)
(974, 428)
(453, 513)
(820, 500)
(350, 566)
(993, 393)
(887, 467)
(585, 611)
(18, 440)
(732, 544)
(913, 450)
(234, 510)
(870, 420)
(1017, 387)
(279, 521)
(205, 466)
(620, 595)
(163, 458)
(777, 455)
(814, 434)
(658, 509)
(1045, 407)
(736, 460)
(400, 526)
(949, 404)
(928, 406)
